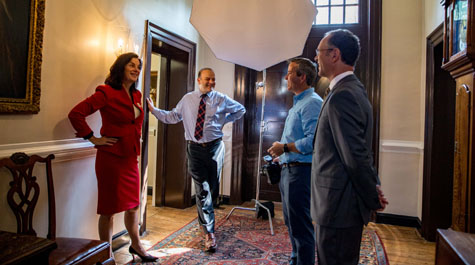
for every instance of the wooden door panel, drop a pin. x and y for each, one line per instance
(175, 159)
(160, 164)
(461, 156)
(439, 138)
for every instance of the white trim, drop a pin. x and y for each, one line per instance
(406, 147)
(64, 150)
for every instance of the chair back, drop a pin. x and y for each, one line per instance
(24, 191)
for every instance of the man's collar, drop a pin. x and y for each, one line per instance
(198, 92)
(303, 93)
(338, 78)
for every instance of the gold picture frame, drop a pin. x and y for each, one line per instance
(20, 86)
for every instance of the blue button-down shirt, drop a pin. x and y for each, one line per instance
(300, 126)
(220, 109)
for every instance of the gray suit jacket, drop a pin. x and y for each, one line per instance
(343, 177)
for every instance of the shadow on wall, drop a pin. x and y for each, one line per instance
(109, 9)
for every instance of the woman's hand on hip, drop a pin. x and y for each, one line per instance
(103, 140)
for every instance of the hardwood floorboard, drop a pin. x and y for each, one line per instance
(403, 245)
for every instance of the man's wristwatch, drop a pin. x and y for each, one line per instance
(286, 148)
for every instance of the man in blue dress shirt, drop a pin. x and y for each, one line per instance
(294, 151)
(204, 112)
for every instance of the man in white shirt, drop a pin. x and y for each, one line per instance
(204, 112)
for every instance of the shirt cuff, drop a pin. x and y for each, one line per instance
(88, 136)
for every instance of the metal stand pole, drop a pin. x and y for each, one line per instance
(259, 159)
(221, 187)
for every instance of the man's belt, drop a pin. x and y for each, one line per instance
(205, 144)
(296, 164)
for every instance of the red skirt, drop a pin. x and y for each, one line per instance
(118, 183)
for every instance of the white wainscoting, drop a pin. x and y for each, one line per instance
(64, 150)
(75, 188)
(400, 171)
(407, 147)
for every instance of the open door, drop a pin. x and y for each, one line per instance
(173, 72)
(439, 140)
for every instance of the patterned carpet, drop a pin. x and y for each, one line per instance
(242, 240)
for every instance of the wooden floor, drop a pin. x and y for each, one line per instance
(403, 245)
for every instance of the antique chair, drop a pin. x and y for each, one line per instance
(22, 198)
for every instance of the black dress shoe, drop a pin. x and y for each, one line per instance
(210, 242)
(145, 258)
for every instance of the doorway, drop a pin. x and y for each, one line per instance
(169, 69)
(167, 163)
(438, 141)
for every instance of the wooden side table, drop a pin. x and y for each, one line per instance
(453, 247)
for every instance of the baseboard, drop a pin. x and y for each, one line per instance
(120, 239)
(401, 220)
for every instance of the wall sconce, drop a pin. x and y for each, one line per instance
(120, 39)
(137, 41)
(125, 41)
(120, 49)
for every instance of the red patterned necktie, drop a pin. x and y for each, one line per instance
(200, 120)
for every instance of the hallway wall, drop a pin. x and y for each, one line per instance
(406, 23)
(79, 45)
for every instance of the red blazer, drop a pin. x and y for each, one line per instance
(118, 119)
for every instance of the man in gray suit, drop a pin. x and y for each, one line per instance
(345, 185)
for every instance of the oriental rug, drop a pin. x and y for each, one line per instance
(243, 239)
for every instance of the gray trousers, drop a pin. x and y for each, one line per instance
(295, 191)
(338, 246)
(204, 165)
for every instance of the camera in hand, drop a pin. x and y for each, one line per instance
(271, 170)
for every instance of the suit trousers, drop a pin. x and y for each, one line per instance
(295, 191)
(204, 165)
(338, 246)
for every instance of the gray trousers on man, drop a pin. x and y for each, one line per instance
(338, 246)
(295, 191)
(204, 164)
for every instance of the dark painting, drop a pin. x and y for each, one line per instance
(14, 29)
(21, 41)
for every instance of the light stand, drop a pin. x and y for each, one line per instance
(259, 158)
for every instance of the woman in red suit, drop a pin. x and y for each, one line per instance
(118, 180)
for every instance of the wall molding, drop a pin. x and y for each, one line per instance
(64, 150)
(406, 147)
(396, 219)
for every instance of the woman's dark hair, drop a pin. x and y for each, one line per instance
(116, 74)
(348, 44)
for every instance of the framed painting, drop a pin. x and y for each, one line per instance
(21, 43)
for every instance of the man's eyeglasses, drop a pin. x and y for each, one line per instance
(318, 51)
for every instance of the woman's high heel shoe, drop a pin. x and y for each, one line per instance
(146, 258)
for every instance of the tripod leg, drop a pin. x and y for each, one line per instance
(268, 214)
